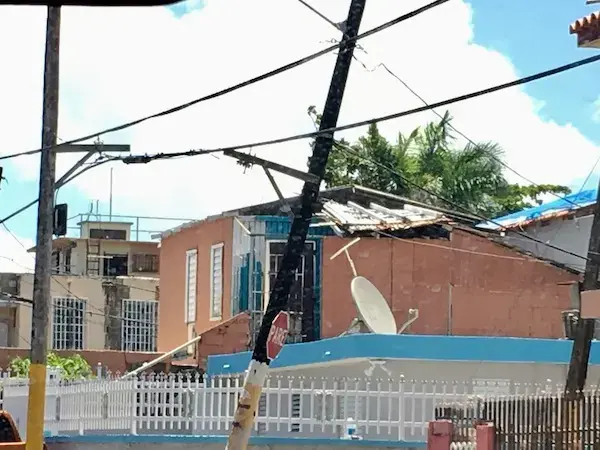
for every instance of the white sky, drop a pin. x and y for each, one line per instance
(119, 64)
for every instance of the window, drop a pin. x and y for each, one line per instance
(216, 282)
(145, 263)
(115, 265)
(55, 264)
(140, 325)
(191, 268)
(68, 323)
(119, 235)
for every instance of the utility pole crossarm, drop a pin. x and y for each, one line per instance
(250, 159)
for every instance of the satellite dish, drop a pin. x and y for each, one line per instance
(372, 307)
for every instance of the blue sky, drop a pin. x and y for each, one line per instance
(533, 35)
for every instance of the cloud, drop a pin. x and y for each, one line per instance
(13, 257)
(120, 64)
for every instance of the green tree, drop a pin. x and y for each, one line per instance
(471, 175)
(71, 367)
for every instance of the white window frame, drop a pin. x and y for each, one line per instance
(216, 296)
(136, 325)
(191, 289)
(55, 325)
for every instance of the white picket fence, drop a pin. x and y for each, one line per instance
(290, 406)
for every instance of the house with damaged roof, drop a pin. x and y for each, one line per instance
(216, 274)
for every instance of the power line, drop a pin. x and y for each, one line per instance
(143, 159)
(452, 203)
(29, 303)
(59, 184)
(412, 91)
(243, 84)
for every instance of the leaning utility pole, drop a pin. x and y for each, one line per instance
(584, 333)
(278, 299)
(41, 280)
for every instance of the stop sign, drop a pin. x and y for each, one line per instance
(278, 334)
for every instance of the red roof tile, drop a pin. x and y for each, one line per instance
(590, 20)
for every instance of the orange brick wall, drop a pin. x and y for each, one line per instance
(172, 331)
(498, 293)
(231, 336)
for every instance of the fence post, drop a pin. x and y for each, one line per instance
(439, 436)
(485, 436)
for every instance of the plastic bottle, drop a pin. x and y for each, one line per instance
(350, 429)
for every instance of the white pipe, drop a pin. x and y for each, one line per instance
(162, 357)
(350, 262)
(242, 226)
(344, 248)
(409, 321)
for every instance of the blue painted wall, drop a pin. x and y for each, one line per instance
(433, 348)
(119, 439)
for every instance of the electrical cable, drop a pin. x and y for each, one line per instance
(59, 185)
(347, 149)
(412, 91)
(143, 159)
(55, 278)
(29, 303)
(241, 85)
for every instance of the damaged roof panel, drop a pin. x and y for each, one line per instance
(545, 211)
(353, 217)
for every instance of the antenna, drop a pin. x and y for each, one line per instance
(110, 196)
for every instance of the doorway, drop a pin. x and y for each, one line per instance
(301, 304)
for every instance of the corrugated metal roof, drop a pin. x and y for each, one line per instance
(546, 211)
(353, 217)
(589, 20)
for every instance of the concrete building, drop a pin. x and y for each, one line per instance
(462, 281)
(105, 293)
(565, 224)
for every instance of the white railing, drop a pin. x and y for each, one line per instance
(290, 406)
(463, 446)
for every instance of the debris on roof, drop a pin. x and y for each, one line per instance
(352, 217)
(550, 210)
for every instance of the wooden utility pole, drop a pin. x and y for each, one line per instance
(582, 344)
(42, 275)
(278, 299)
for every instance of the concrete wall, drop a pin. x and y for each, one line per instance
(467, 286)
(572, 234)
(173, 330)
(111, 247)
(90, 289)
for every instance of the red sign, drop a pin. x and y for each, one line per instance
(278, 334)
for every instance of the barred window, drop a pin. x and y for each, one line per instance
(68, 323)
(140, 325)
